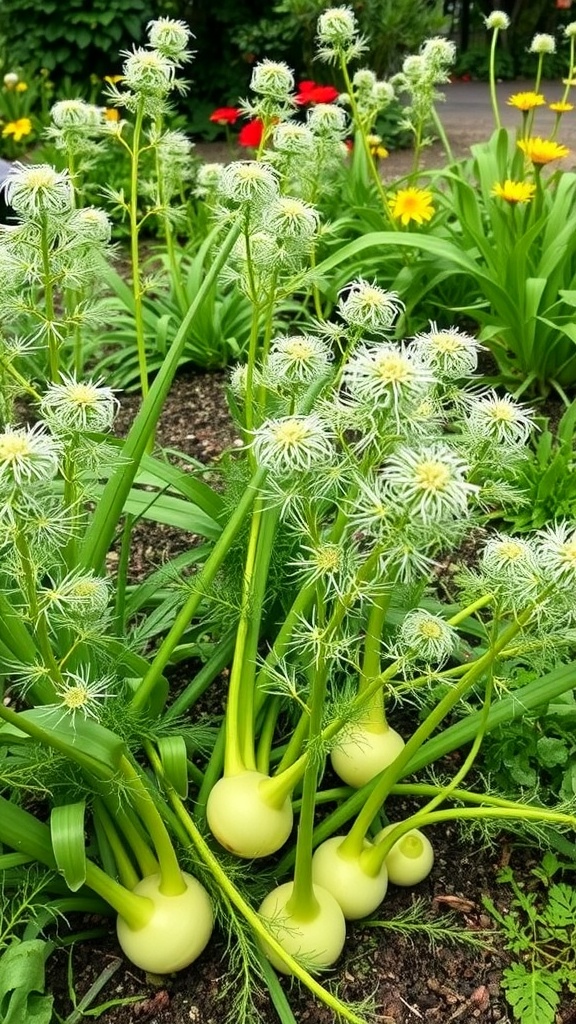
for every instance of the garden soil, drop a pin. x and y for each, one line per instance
(407, 981)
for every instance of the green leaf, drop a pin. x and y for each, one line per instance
(561, 909)
(22, 984)
(67, 833)
(533, 995)
(551, 751)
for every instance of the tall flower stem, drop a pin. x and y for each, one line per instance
(493, 94)
(48, 282)
(370, 162)
(175, 275)
(135, 250)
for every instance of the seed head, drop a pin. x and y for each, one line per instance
(542, 43)
(497, 20)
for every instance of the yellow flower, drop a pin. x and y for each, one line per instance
(413, 204)
(514, 191)
(376, 147)
(526, 100)
(111, 114)
(113, 79)
(561, 108)
(18, 129)
(21, 87)
(542, 151)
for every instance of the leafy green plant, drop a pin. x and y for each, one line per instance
(547, 479)
(538, 930)
(71, 40)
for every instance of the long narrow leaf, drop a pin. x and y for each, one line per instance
(67, 833)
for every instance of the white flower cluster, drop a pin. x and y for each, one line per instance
(420, 75)
(338, 36)
(371, 96)
(149, 73)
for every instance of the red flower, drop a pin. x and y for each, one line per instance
(251, 133)
(225, 115)
(309, 92)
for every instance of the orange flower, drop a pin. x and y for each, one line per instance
(111, 114)
(542, 151)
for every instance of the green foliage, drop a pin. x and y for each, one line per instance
(547, 478)
(22, 998)
(70, 39)
(539, 930)
(536, 753)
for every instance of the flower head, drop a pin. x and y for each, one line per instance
(148, 72)
(170, 38)
(451, 352)
(79, 696)
(91, 224)
(427, 637)
(497, 20)
(79, 594)
(557, 550)
(526, 100)
(570, 30)
(225, 115)
(11, 79)
(272, 79)
(338, 35)
(514, 191)
(38, 188)
(299, 358)
(413, 204)
(17, 129)
(431, 481)
(291, 137)
(293, 444)
(542, 151)
(27, 455)
(248, 181)
(76, 114)
(327, 121)
(387, 374)
(74, 405)
(368, 306)
(560, 107)
(499, 418)
(542, 43)
(289, 217)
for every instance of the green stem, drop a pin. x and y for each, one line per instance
(202, 582)
(171, 880)
(53, 345)
(373, 169)
(145, 859)
(231, 893)
(267, 736)
(206, 675)
(175, 276)
(493, 95)
(442, 134)
(303, 905)
(354, 841)
(126, 872)
(374, 717)
(37, 616)
(135, 251)
(530, 119)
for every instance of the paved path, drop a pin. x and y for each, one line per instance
(467, 111)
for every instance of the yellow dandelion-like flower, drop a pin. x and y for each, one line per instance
(413, 204)
(111, 114)
(561, 108)
(113, 79)
(542, 151)
(526, 100)
(376, 147)
(514, 191)
(21, 87)
(18, 129)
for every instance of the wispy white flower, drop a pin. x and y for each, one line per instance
(299, 358)
(338, 35)
(432, 481)
(292, 218)
(557, 550)
(38, 188)
(497, 20)
(248, 181)
(272, 79)
(368, 306)
(499, 418)
(78, 695)
(74, 405)
(148, 72)
(509, 567)
(542, 43)
(387, 374)
(90, 224)
(451, 351)
(170, 38)
(77, 115)
(27, 455)
(426, 638)
(291, 137)
(293, 444)
(79, 593)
